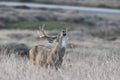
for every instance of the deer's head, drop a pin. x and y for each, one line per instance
(58, 37)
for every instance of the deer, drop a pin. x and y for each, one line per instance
(46, 56)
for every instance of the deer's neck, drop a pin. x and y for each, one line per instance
(61, 45)
(63, 42)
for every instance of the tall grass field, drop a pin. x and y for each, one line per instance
(90, 58)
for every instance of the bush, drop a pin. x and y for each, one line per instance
(20, 49)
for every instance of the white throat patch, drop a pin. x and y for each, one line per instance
(64, 42)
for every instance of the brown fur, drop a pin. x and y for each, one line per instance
(39, 54)
(45, 56)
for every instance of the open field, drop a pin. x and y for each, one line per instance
(93, 50)
(90, 58)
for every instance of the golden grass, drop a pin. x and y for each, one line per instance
(92, 59)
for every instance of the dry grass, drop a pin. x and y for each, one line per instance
(91, 59)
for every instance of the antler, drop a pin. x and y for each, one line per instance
(45, 35)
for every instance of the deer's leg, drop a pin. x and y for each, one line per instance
(58, 64)
(46, 65)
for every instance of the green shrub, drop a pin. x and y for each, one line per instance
(35, 25)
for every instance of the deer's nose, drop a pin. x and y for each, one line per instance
(64, 34)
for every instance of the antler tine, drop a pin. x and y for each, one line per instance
(45, 35)
(41, 36)
(43, 32)
(41, 28)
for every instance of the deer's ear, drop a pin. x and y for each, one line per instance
(51, 40)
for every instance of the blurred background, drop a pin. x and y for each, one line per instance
(20, 19)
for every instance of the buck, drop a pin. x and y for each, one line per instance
(45, 56)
